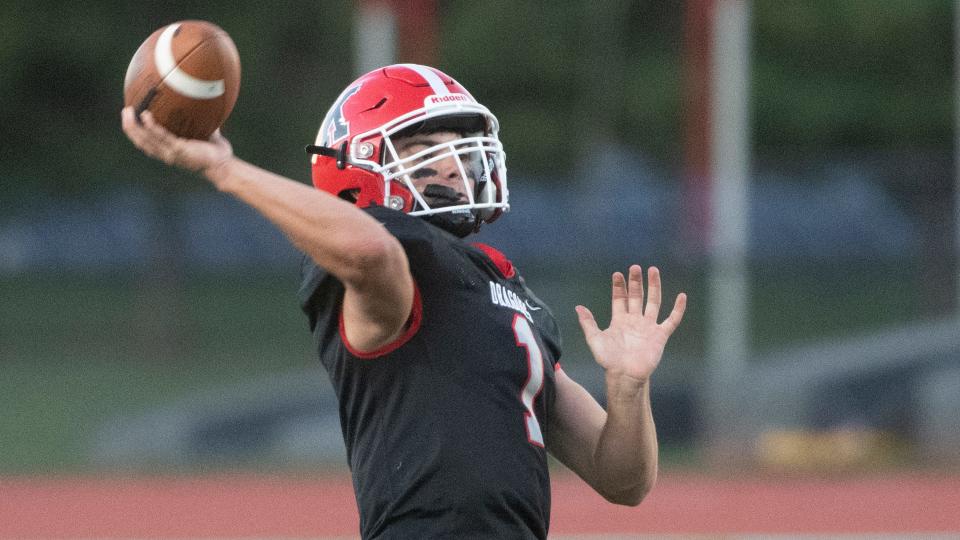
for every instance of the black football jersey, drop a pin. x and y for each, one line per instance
(444, 429)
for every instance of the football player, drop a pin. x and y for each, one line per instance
(445, 364)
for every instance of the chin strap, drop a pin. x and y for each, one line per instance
(459, 225)
(340, 155)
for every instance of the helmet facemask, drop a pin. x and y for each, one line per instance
(359, 149)
(461, 164)
(474, 157)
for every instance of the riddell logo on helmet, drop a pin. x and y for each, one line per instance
(449, 98)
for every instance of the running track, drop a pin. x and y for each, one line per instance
(252, 506)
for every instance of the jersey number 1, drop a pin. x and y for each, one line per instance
(526, 339)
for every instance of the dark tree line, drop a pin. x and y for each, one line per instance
(828, 75)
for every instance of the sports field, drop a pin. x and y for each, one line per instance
(682, 506)
(248, 327)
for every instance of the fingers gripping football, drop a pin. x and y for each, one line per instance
(155, 141)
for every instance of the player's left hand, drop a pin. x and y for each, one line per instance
(633, 344)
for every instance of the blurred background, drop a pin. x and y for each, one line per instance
(790, 165)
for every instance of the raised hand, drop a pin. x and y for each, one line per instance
(190, 154)
(634, 342)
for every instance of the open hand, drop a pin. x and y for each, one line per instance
(157, 142)
(634, 342)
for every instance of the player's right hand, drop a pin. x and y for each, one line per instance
(157, 142)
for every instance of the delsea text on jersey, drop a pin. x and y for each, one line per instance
(503, 296)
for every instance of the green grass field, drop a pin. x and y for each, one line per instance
(75, 350)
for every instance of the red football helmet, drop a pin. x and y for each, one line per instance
(355, 156)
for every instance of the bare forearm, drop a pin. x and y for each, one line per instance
(344, 240)
(626, 454)
(331, 231)
(347, 242)
(624, 461)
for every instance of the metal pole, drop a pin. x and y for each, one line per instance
(956, 140)
(375, 36)
(697, 121)
(418, 31)
(728, 333)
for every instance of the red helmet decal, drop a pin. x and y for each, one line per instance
(336, 124)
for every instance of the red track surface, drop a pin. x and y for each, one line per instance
(281, 506)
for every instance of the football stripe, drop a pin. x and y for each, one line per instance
(177, 79)
(432, 78)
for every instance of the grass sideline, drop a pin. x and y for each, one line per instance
(75, 349)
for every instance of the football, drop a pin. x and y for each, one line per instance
(187, 74)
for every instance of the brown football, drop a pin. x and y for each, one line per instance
(188, 75)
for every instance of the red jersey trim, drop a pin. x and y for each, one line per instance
(412, 326)
(499, 260)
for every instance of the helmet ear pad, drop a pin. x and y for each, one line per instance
(356, 184)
